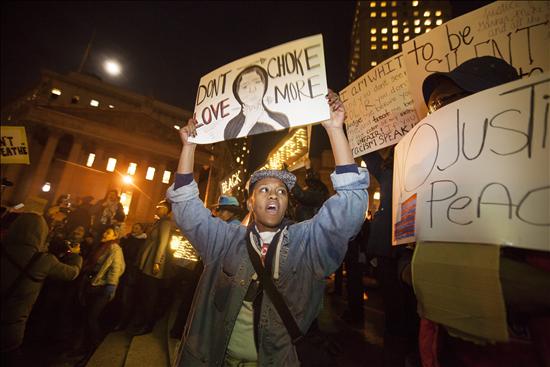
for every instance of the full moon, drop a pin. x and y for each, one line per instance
(112, 67)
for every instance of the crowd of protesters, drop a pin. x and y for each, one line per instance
(71, 275)
(88, 263)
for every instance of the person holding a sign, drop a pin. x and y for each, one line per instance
(233, 321)
(249, 89)
(510, 278)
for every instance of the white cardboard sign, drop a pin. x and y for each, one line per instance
(271, 90)
(379, 107)
(515, 31)
(478, 170)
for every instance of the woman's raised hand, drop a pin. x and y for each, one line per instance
(189, 130)
(337, 111)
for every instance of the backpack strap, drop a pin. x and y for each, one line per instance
(266, 282)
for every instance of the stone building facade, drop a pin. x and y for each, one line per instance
(78, 125)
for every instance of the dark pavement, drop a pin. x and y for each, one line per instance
(358, 344)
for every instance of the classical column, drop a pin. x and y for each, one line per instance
(39, 175)
(70, 169)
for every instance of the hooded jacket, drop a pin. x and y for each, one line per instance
(306, 253)
(27, 235)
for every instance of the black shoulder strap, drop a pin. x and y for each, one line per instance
(265, 279)
(23, 271)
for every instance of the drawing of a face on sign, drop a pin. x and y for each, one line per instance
(249, 88)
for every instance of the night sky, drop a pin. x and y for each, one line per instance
(165, 47)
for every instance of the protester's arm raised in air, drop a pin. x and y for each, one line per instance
(207, 234)
(342, 215)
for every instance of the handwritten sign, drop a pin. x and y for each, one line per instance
(271, 90)
(13, 145)
(515, 31)
(379, 107)
(480, 169)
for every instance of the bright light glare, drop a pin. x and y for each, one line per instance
(47, 186)
(112, 67)
(376, 195)
(127, 180)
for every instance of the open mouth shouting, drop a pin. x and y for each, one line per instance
(272, 208)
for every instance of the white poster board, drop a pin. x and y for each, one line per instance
(271, 90)
(477, 170)
(379, 107)
(515, 31)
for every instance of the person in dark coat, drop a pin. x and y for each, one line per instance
(81, 215)
(310, 198)
(25, 266)
(152, 262)
(131, 244)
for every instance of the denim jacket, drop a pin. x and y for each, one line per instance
(309, 251)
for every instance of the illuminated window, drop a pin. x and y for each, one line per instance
(406, 30)
(132, 168)
(56, 92)
(91, 159)
(111, 164)
(439, 22)
(383, 4)
(373, 38)
(428, 22)
(406, 38)
(394, 22)
(94, 103)
(415, 13)
(111, 106)
(373, 63)
(373, 31)
(427, 30)
(394, 14)
(166, 177)
(394, 3)
(384, 39)
(438, 13)
(395, 46)
(427, 13)
(417, 30)
(383, 14)
(394, 30)
(417, 22)
(373, 4)
(415, 3)
(405, 22)
(384, 47)
(373, 14)
(384, 30)
(150, 173)
(395, 38)
(373, 47)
